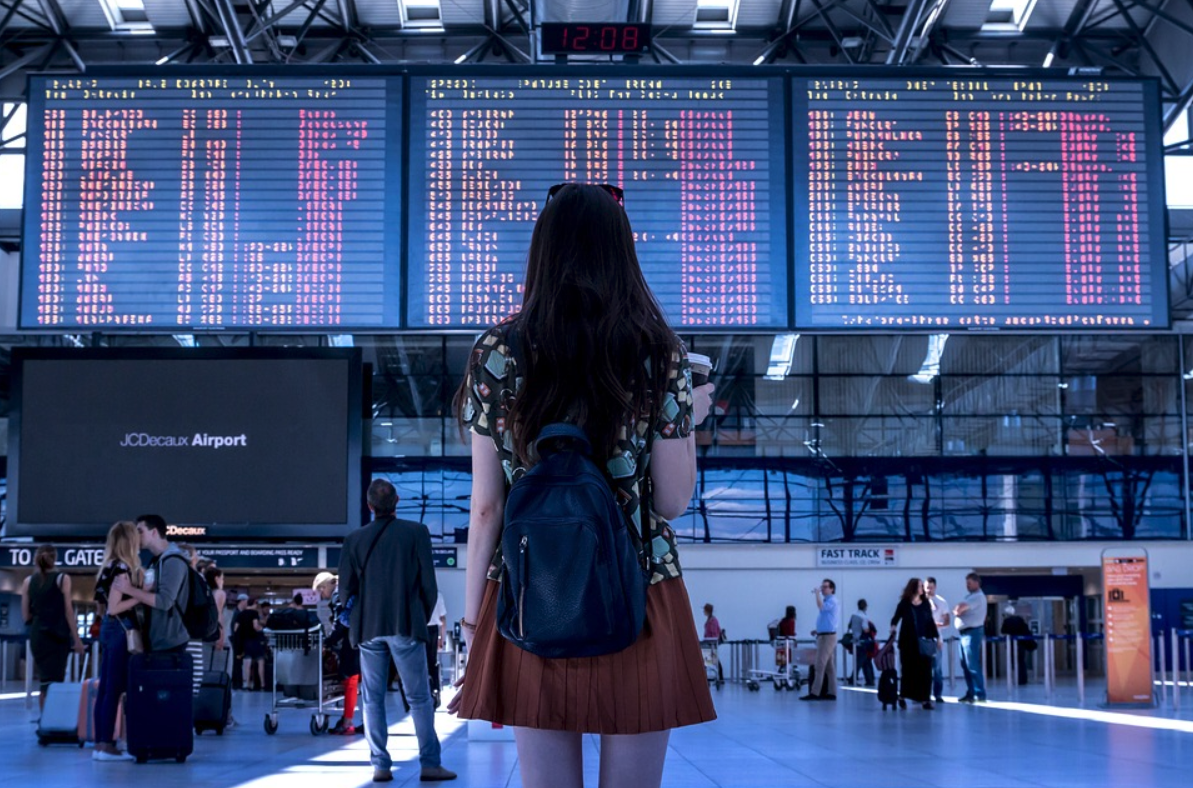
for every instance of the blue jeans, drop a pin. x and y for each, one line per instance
(113, 679)
(971, 661)
(410, 656)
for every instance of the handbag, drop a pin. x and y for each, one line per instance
(927, 647)
(132, 638)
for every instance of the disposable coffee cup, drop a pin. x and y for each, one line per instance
(701, 368)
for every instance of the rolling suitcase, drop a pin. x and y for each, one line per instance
(213, 704)
(160, 706)
(86, 714)
(59, 723)
(888, 688)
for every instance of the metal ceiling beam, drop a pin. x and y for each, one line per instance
(348, 14)
(907, 27)
(17, 7)
(9, 12)
(823, 12)
(28, 58)
(1165, 75)
(231, 27)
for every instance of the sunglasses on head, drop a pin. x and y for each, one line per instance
(609, 189)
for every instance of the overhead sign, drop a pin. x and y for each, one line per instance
(69, 556)
(441, 557)
(857, 556)
(89, 557)
(262, 557)
(1128, 630)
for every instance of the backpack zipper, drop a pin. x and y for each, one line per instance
(522, 543)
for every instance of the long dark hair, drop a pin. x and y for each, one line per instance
(588, 325)
(911, 590)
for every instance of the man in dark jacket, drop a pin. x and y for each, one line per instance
(386, 569)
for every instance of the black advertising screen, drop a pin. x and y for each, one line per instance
(978, 202)
(701, 160)
(258, 443)
(212, 201)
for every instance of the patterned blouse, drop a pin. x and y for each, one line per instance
(493, 381)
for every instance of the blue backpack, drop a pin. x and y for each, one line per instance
(573, 584)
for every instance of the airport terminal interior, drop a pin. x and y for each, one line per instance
(937, 256)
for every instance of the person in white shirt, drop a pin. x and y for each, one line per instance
(436, 637)
(862, 630)
(971, 623)
(942, 617)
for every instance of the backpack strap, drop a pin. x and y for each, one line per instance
(186, 581)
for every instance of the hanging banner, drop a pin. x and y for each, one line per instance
(1128, 630)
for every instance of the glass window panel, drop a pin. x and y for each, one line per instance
(1016, 354)
(879, 436)
(784, 437)
(874, 396)
(748, 354)
(899, 354)
(1112, 353)
(997, 396)
(394, 436)
(791, 396)
(1001, 436)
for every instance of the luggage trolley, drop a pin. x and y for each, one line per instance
(299, 679)
(712, 662)
(786, 673)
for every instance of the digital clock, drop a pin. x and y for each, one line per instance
(602, 38)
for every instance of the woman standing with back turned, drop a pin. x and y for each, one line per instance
(591, 347)
(50, 615)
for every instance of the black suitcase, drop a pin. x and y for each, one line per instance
(160, 706)
(888, 688)
(213, 703)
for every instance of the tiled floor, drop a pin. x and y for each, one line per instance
(767, 739)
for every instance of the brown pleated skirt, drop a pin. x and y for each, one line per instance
(656, 684)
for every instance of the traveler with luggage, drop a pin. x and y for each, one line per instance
(49, 614)
(919, 642)
(160, 701)
(587, 376)
(347, 656)
(248, 634)
(119, 634)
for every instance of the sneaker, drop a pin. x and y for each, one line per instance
(432, 774)
(343, 728)
(104, 755)
(966, 699)
(383, 776)
(810, 697)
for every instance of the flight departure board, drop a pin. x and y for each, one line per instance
(701, 160)
(978, 202)
(212, 201)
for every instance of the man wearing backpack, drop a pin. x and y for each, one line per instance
(387, 574)
(166, 587)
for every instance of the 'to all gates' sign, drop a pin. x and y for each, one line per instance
(68, 557)
(856, 556)
(1128, 630)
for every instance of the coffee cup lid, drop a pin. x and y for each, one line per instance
(699, 358)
